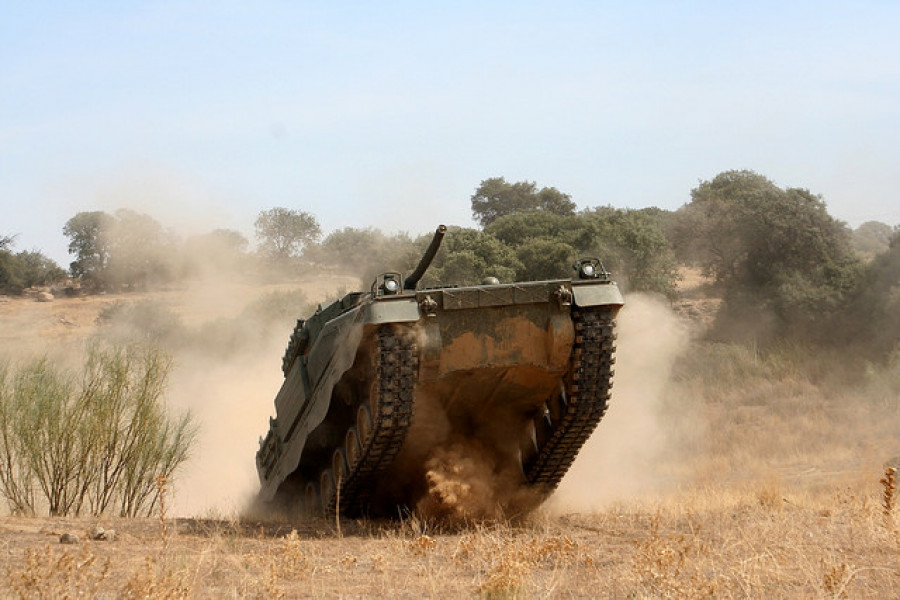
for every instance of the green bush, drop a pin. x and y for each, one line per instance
(25, 269)
(145, 321)
(89, 442)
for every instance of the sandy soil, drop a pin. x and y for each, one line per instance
(26, 324)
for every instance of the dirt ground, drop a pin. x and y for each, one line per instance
(755, 544)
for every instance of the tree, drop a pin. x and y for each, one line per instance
(88, 234)
(365, 252)
(37, 269)
(632, 245)
(519, 228)
(775, 252)
(10, 277)
(545, 258)
(140, 251)
(871, 310)
(126, 249)
(495, 197)
(25, 269)
(544, 242)
(467, 256)
(285, 232)
(871, 238)
(228, 240)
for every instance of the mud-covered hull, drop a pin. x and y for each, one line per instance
(371, 414)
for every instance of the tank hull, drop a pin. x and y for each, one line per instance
(391, 384)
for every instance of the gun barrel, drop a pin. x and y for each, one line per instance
(410, 282)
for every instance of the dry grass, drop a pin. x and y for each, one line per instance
(47, 573)
(709, 543)
(773, 484)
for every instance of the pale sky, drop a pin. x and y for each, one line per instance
(389, 114)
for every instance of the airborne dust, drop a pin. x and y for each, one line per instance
(227, 373)
(619, 459)
(769, 423)
(466, 470)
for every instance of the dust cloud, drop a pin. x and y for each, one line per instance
(226, 337)
(229, 381)
(232, 400)
(461, 459)
(619, 460)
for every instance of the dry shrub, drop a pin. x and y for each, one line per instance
(508, 564)
(378, 562)
(770, 495)
(836, 577)
(281, 564)
(421, 545)
(665, 566)
(90, 441)
(518, 559)
(49, 575)
(161, 491)
(124, 322)
(156, 581)
(506, 579)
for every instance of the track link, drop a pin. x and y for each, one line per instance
(574, 414)
(385, 417)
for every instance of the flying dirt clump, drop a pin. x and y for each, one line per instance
(464, 485)
(457, 471)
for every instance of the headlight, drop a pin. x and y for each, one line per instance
(388, 284)
(591, 268)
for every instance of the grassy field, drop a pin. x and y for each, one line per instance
(719, 472)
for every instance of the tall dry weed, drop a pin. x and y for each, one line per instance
(16, 480)
(888, 494)
(161, 490)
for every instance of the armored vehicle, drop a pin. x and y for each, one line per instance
(380, 380)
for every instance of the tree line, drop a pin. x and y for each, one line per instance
(774, 254)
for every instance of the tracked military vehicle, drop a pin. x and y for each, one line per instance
(522, 368)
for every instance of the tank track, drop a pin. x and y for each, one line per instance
(380, 429)
(573, 415)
